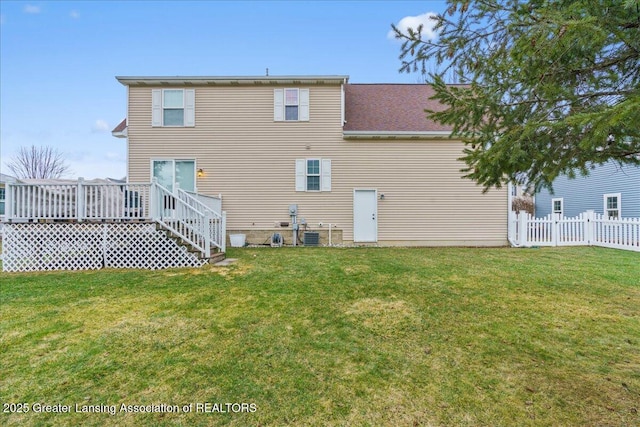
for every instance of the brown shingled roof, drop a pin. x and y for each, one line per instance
(121, 127)
(390, 108)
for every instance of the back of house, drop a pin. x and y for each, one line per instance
(356, 163)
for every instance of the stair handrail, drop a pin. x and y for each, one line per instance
(181, 218)
(212, 202)
(195, 203)
(217, 230)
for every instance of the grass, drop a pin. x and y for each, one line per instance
(359, 337)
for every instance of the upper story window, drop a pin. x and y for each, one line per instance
(612, 205)
(291, 105)
(173, 107)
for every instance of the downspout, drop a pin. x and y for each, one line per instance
(127, 171)
(342, 113)
(511, 228)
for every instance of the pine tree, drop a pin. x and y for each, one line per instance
(552, 87)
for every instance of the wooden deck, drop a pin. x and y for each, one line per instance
(97, 217)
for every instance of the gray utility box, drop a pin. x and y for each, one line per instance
(311, 238)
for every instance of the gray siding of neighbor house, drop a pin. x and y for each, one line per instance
(587, 193)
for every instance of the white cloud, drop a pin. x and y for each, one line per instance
(74, 14)
(427, 21)
(31, 9)
(100, 126)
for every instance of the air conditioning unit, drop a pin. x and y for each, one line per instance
(311, 238)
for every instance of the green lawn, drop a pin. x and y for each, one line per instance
(318, 336)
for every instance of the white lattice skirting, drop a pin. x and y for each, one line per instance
(67, 246)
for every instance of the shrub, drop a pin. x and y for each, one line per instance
(522, 203)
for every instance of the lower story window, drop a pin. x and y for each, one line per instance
(612, 205)
(313, 175)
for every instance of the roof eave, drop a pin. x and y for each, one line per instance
(229, 80)
(120, 134)
(357, 134)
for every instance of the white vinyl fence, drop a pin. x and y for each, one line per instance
(588, 228)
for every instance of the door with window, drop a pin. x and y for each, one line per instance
(171, 173)
(557, 207)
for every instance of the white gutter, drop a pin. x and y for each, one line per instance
(121, 134)
(229, 80)
(358, 134)
(342, 106)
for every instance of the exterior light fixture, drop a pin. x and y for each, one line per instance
(200, 173)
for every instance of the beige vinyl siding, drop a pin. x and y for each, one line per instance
(250, 160)
(425, 197)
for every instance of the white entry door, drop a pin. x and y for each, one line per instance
(365, 216)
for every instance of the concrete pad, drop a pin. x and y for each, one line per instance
(225, 262)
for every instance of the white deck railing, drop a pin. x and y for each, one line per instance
(588, 228)
(180, 212)
(82, 201)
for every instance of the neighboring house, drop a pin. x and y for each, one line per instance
(3, 194)
(609, 189)
(361, 157)
(3, 180)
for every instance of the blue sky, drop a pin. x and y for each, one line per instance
(58, 59)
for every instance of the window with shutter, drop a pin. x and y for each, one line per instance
(291, 105)
(173, 107)
(313, 175)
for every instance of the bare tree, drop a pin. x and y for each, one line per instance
(38, 163)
